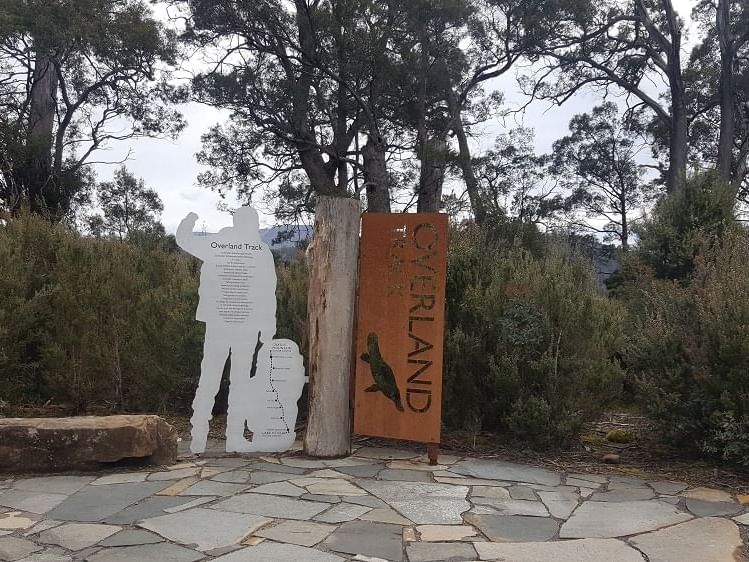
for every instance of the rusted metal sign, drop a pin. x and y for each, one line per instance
(400, 329)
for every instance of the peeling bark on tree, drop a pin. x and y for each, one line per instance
(333, 256)
(376, 176)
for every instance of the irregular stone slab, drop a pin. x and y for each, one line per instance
(385, 453)
(455, 480)
(604, 519)
(581, 483)
(330, 486)
(178, 487)
(371, 539)
(132, 537)
(320, 498)
(149, 507)
(623, 495)
(559, 504)
(420, 502)
(445, 533)
(742, 519)
(242, 477)
(211, 488)
(55, 554)
(53, 484)
(709, 495)
(421, 463)
(491, 492)
(279, 489)
(42, 526)
(403, 475)
(362, 471)
(448, 552)
(77, 536)
(124, 478)
(306, 464)
(499, 470)
(514, 528)
(368, 501)
(522, 493)
(713, 539)
(32, 502)
(206, 528)
(48, 444)
(194, 503)
(702, 508)
(14, 520)
(173, 474)
(585, 550)
(94, 503)
(667, 487)
(303, 533)
(514, 507)
(162, 552)
(277, 552)
(342, 512)
(271, 506)
(385, 515)
(283, 468)
(329, 473)
(12, 548)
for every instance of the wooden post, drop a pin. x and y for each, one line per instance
(333, 257)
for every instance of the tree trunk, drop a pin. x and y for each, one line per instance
(376, 178)
(40, 128)
(432, 175)
(464, 158)
(331, 306)
(677, 173)
(725, 91)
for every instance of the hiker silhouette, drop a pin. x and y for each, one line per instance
(238, 305)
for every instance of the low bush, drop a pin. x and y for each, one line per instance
(94, 323)
(531, 341)
(690, 351)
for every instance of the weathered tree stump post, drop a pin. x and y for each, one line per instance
(333, 257)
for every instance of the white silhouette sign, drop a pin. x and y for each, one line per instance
(238, 305)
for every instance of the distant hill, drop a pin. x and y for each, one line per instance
(285, 239)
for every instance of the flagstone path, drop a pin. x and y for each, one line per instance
(379, 504)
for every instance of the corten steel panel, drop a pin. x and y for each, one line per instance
(400, 328)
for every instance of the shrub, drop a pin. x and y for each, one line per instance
(530, 342)
(95, 322)
(683, 223)
(690, 351)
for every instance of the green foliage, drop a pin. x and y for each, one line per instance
(683, 223)
(129, 209)
(690, 350)
(291, 295)
(94, 322)
(530, 342)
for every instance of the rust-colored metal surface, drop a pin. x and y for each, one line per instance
(400, 327)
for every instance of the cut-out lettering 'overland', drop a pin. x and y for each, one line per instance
(238, 305)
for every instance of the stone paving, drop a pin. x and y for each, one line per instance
(377, 505)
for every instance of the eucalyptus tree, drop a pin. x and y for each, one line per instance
(305, 82)
(76, 75)
(719, 83)
(629, 46)
(597, 162)
(128, 208)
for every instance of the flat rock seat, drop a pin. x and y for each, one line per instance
(81, 443)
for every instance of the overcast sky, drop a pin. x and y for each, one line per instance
(170, 166)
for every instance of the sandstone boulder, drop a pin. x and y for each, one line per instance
(53, 444)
